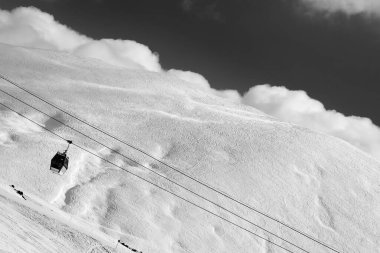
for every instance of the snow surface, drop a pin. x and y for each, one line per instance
(314, 182)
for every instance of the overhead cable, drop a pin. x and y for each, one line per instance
(155, 172)
(154, 184)
(174, 168)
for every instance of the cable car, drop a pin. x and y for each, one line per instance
(60, 162)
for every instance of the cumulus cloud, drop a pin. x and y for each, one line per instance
(297, 107)
(201, 82)
(28, 26)
(124, 53)
(367, 7)
(190, 77)
(230, 95)
(33, 28)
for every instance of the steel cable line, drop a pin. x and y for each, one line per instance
(150, 182)
(160, 175)
(176, 169)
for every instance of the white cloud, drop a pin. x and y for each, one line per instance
(190, 77)
(28, 26)
(230, 95)
(297, 107)
(201, 82)
(33, 28)
(124, 53)
(368, 7)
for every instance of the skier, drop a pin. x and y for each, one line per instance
(18, 192)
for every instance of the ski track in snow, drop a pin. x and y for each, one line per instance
(31, 229)
(325, 217)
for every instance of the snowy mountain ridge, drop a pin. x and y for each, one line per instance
(311, 181)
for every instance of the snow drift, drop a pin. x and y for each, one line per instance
(314, 182)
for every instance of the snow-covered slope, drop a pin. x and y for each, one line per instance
(314, 182)
(35, 226)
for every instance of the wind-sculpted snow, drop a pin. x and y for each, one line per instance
(314, 182)
(31, 228)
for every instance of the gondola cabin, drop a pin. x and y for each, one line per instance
(59, 163)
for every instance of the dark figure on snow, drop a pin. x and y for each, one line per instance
(18, 192)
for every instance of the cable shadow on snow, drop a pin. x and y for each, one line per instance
(52, 123)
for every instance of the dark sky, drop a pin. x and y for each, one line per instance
(237, 44)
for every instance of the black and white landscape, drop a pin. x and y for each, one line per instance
(164, 161)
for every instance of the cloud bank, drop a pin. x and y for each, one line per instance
(350, 7)
(298, 108)
(30, 27)
(33, 28)
(190, 77)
